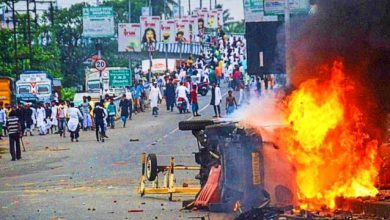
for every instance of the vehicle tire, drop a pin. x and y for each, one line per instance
(203, 92)
(151, 167)
(194, 125)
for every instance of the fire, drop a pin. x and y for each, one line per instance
(333, 155)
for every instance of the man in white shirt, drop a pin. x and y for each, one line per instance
(181, 92)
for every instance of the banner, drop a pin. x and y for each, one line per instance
(150, 29)
(158, 65)
(212, 19)
(193, 28)
(98, 22)
(220, 16)
(202, 18)
(276, 7)
(168, 31)
(182, 31)
(129, 37)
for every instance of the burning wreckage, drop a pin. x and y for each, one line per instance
(331, 156)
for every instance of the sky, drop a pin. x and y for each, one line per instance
(235, 6)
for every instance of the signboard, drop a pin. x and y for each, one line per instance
(119, 78)
(168, 31)
(150, 29)
(129, 37)
(98, 22)
(212, 19)
(253, 10)
(182, 30)
(145, 11)
(193, 28)
(158, 65)
(276, 7)
(100, 64)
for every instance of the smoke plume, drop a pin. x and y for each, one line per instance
(356, 32)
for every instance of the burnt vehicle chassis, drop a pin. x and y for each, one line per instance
(239, 152)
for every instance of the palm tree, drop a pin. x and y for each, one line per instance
(237, 27)
(226, 13)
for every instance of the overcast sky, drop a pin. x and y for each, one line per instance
(235, 6)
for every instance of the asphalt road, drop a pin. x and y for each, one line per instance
(58, 179)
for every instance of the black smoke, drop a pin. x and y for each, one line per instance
(358, 33)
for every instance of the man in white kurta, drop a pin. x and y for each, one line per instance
(154, 97)
(73, 123)
(54, 121)
(41, 115)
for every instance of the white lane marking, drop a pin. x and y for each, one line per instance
(176, 129)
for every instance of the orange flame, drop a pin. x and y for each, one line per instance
(326, 142)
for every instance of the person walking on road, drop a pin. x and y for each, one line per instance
(86, 108)
(99, 116)
(129, 96)
(61, 117)
(41, 116)
(3, 119)
(14, 134)
(194, 101)
(75, 117)
(216, 99)
(231, 103)
(154, 98)
(111, 109)
(124, 106)
(170, 95)
(28, 115)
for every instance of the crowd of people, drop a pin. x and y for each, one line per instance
(224, 62)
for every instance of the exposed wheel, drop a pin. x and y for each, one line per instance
(151, 167)
(203, 92)
(194, 125)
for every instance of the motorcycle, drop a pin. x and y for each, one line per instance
(181, 105)
(203, 88)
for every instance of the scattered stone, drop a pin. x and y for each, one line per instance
(93, 209)
(110, 212)
(134, 140)
(89, 209)
(114, 201)
(162, 204)
(143, 203)
(156, 217)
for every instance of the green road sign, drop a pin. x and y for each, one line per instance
(120, 78)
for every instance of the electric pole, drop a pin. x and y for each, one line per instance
(179, 8)
(200, 4)
(210, 6)
(15, 40)
(189, 7)
(29, 33)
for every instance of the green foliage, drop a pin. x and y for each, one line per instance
(67, 94)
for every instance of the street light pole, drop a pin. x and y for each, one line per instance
(29, 33)
(210, 6)
(200, 4)
(189, 7)
(287, 33)
(15, 40)
(130, 60)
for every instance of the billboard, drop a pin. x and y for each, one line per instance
(182, 30)
(276, 7)
(193, 28)
(150, 29)
(158, 65)
(212, 19)
(98, 22)
(129, 37)
(168, 31)
(253, 10)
